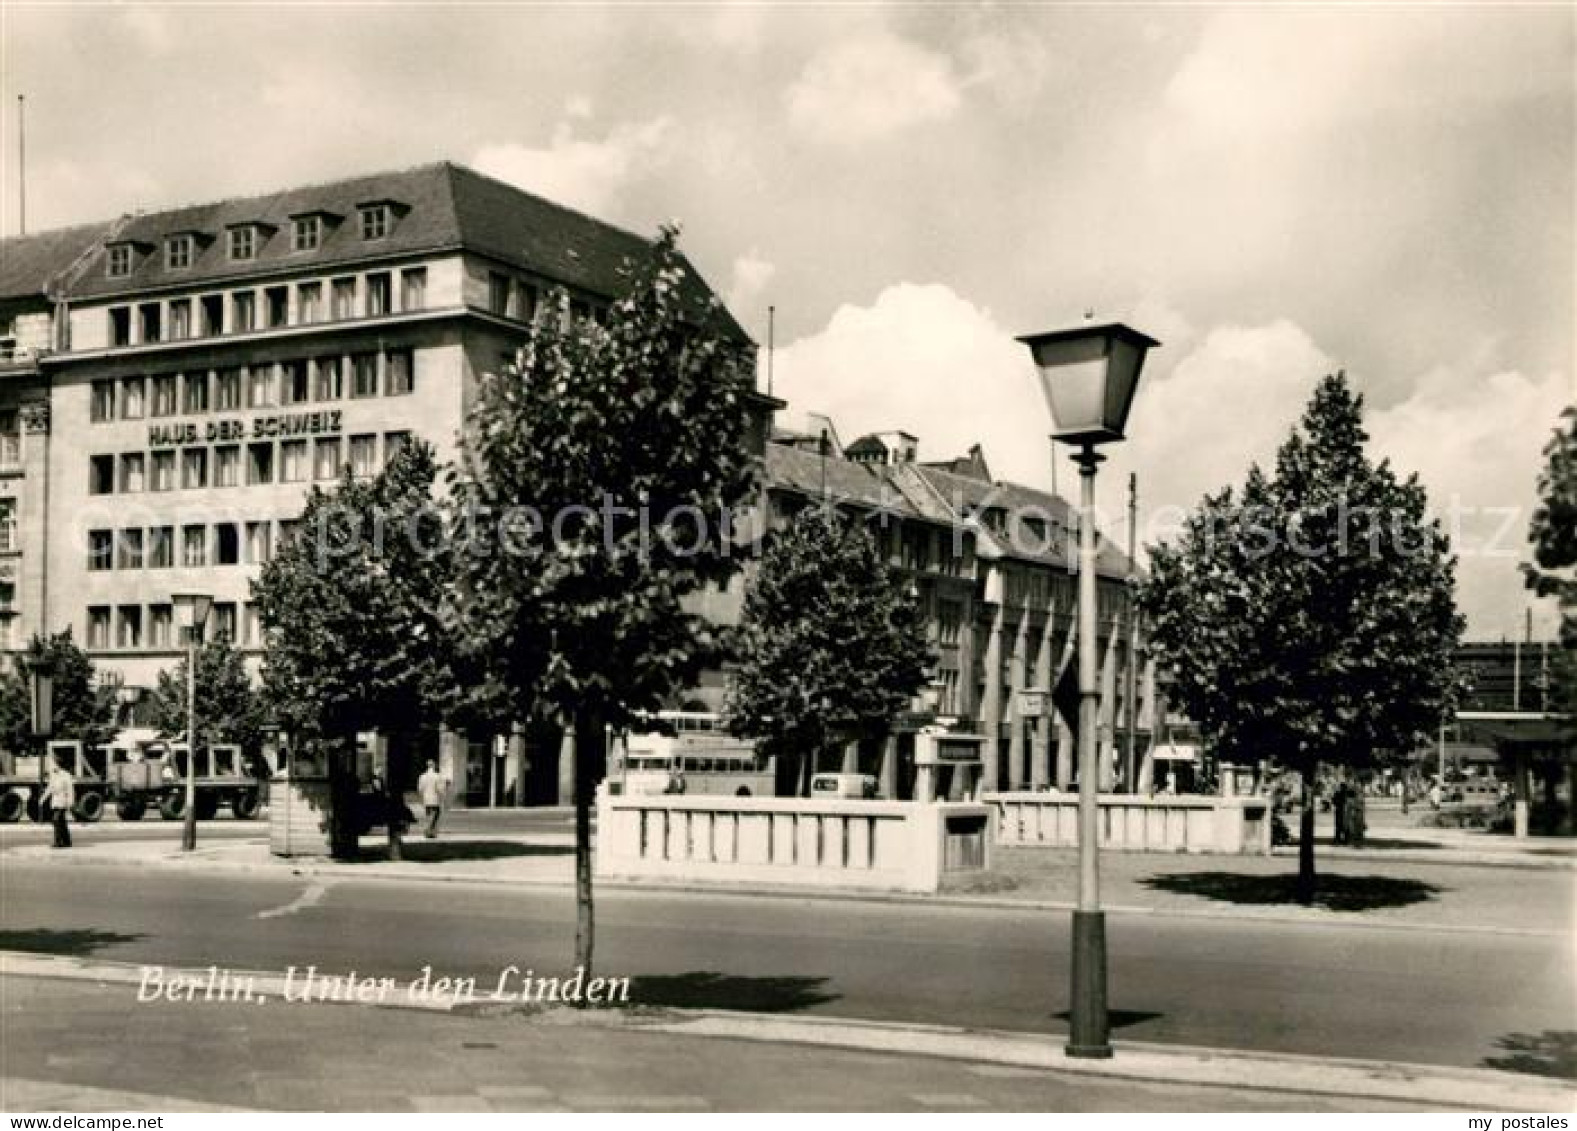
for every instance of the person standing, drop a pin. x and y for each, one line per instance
(60, 795)
(430, 787)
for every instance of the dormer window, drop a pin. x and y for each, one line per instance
(178, 252)
(120, 261)
(307, 233)
(243, 242)
(374, 221)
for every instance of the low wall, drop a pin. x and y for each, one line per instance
(871, 845)
(1224, 825)
(298, 816)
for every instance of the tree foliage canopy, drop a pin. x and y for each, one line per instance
(228, 707)
(84, 702)
(833, 640)
(1310, 617)
(1553, 533)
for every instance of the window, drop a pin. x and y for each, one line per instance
(120, 325)
(363, 456)
(98, 626)
(295, 388)
(378, 294)
(8, 538)
(194, 546)
(224, 619)
(213, 308)
(195, 388)
(227, 390)
(243, 308)
(293, 461)
(120, 261)
(161, 547)
(413, 289)
(101, 549)
(131, 394)
(227, 544)
(309, 301)
(131, 472)
(259, 542)
(180, 319)
(331, 386)
(227, 466)
(526, 302)
(276, 306)
(260, 463)
(149, 315)
(260, 386)
(250, 630)
(160, 622)
(10, 437)
(950, 618)
(130, 625)
(130, 556)
(178, 252)
(101, 475)
(498, 294)
(344, 298)
(102, 406)
(243, 242)
(307, 233)
(326, 459)
(164, 395)
(400, 370)
(374, 221)
(364, 382)
(194, 468)
(289, 530)
(164, 471)
(393, 444)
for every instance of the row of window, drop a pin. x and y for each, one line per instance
(10, 437)
(235, 465)
(133, 627)
(192, 546)
(269, 308)
(299, 381)
(244, 241)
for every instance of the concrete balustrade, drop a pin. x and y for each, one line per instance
(1232, 826)
(869, 845)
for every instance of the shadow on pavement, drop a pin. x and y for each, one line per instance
(75, 943)
(1551, 1053)
(422, 851)
(1334, 893)
(1118, 1018)
(705, 989)
(1386, 842)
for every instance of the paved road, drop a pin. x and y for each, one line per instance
(1441, 997)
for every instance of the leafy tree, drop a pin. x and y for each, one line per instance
(596, 472)
(228, 709)
(1311, 617)
(1553, 572)
(83, 700)
(350, 611)
(832, 644)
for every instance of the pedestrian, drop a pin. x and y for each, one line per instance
(1341, 798)
(1434, 795)
(430, 787)
(60, 795)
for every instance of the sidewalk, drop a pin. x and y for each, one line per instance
(76, 1039)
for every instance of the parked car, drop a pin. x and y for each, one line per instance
(855, 786)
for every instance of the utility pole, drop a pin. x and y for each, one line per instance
(21, 164)
(1131, 676)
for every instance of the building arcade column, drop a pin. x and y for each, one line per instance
(1015, 717)
(1040, 744)
(991, 709)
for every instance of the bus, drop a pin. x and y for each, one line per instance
(698, 757)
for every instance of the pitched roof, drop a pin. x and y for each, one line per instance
(28, 264)
(841, 480)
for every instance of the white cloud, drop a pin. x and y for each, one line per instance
(859, 89)
(581, 172)
(749, 279)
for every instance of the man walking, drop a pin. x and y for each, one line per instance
(430, 787)
(60, 795)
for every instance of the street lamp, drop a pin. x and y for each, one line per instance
(1088, 376)
(191, 613)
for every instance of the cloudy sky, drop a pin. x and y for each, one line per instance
(1275, 192)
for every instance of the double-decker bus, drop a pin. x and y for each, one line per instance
(697, 757)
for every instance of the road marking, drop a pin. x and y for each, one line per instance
(309, 898)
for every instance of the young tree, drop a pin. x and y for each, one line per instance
(832, 645)
(84, 702)
(227, 705)
(597, 475)
(350, 612)
(1311, 618)
(1553, 572)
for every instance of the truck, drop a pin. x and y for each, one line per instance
(23, 778)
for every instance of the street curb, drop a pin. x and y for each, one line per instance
(1430, 1085)
(339, 872)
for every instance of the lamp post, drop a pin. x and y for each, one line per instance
(1088, 376)
(191, 613)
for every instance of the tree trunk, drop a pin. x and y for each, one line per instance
(394, 793)
(807, 767)
(342, 797)
(1306, 880)
(590, 752)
